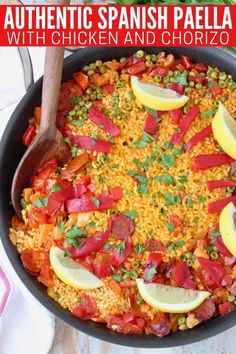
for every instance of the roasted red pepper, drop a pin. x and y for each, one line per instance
(214, 269)
(151, 124)
(184, 125)
(177, 88)
(198, 137)
(159, 71)
(186, 62)
(89, 204)
(176, 115)
(181, 276)
(29, 135)
(217, 206)
(203, 162)
(87, 142)
(223, 250)
(91, 244)
(85, 309)
(137, 68)
(99, 118)
(220, 184)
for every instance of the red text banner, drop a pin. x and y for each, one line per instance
(101, 25)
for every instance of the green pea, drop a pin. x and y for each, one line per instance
(231, 85)
(166, 79)
(93, 97)
(102, 69)
(198, 86)
(158, 79)
(92, 66)
(154, 57)
(99, 96)
(223, 76)
(98, 63)
(170, 73)
(172, 79)
(222, 99)
(181, 320)
(188, 255)
(128, 107)
(213, 74)
(120, 83)
(187, 89)
(196, 101)
(90, 72)
(202, 92)
(88, 91)
(148, 63)
(135, 264)
(222, 84)
(85, 68)
(115, 94)
(86, 98)
(168, 85)
(85, 115)
(82, 103)
(191, 84)
(126, 276)
(231, 298)
(208, 95)
(115, 100)
(214, 255)
(88, 105)
(186, 109)
(189, 262)
(140, 53)
(99, 90)
(72, 113)
(148, 57)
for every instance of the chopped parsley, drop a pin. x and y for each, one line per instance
(166, 160)
(67, 140)
(106, 246)
(169, 199)
(78, 122)
(74, 237)
(208, 113)
(143, 189)
(175, 245)
(139, 299)
(141, 179)
(202, 199)
(196, 220)
(132, 214)
(147, 137)
(67, 254)
(168, 145)
(95, 201)
(140, 143)
(165, 179)
(41, 203)
(139, 249)
(170, 226)
(61, 226)
(151, 272)
(23, 203)
(117, 277)
(181, 78)
(215, 233)
(182, 179)
(131, 273)
(112, 139)
(91, 223)
(132, 173)
(120, 248)
(80, 301)
(74, 150)
(55, 188)
(151, 111)
(189, 202)
(95, 136)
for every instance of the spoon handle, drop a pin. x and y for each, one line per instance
(51, 88)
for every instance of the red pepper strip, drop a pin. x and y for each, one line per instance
(220, 184)
(177, 88)
(91, 244)
(87, 142)
(154, 259)
(150, 125)
(98, 118)
(184, 125)
(202, 162)
(198, 137)
(215, 90)
(176, 115)
(214, 269)
(29, 135)
(86, 204)
(106, 89)
(137, 68)
(217, 206)
(222, 248)
(53, 206)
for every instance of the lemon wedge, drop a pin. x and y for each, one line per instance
(224, 130)
(156, 97)
(71, 272)
(170, 299)
(227, 227)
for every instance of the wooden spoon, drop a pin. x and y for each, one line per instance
(49, 142)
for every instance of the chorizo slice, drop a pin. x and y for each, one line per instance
(122, 227)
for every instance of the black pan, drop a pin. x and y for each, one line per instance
(11, 150)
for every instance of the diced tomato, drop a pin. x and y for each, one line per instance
(116, 193)
(118, 324)
(107, 89)
(29, 135)
(37, 217)
(82, 80)
(214, 269)
(47, 168)
(176, 115)
(225, 308)
(137, 68)
(151, 124)
(85, 309)
(31, 261)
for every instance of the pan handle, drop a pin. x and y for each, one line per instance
(27, 66)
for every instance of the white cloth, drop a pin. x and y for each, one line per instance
(26, 327)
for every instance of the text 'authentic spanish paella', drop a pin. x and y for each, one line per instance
(137, 231)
